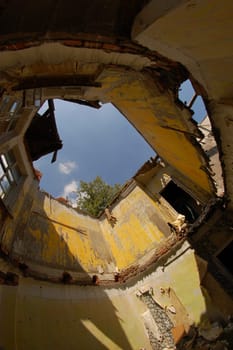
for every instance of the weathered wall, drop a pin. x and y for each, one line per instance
(48, 233)
(165, 125)
(195, 33)
(202, 43)
(210, 147)
(91, 56)
(140, 227)
(208, 242)
(39, 315)
(142, 84)
(59, 237)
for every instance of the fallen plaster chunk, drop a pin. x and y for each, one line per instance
(211, 333)
(179, 224)
(171, 309)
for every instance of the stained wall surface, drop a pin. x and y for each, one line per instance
(135, 55)
(37, 314)
(201, 42)
(48, 233)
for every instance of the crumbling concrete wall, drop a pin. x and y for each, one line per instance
(49, 233)
(36, 314)
(99, 60)
(201, 42)
(139, 228)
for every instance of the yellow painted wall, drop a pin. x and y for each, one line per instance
(164, 126)
(153, 183)
(39, 315)
(54, 235)
(140, 227)
(36, 315)
(57, 236)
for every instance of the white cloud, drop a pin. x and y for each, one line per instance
(67, 167)
(70, 189)
(74, 204)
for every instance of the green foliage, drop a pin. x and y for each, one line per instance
(94, 196)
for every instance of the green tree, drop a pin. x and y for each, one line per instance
(95, 196)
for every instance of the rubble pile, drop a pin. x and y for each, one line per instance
(215, 337)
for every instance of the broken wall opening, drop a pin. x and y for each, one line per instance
(9, 112)
(96, 142)
(192, 100)
(42, 136)
(181, 201)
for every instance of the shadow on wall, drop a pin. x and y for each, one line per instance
(68, 317)
(195, 288)
(50, 240)
(64, 315)
(215, 327)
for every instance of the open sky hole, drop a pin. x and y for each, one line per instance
(99, 142)
(186, 93)
(95, 142)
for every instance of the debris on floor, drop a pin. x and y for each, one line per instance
(216, 337)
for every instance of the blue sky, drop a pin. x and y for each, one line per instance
(185, 94)
(97, 142)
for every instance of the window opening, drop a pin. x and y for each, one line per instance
(195, 102)
(37, 97)
(8, 113)
(9, 173)
(4, 103)
(13, 107)
(181, 201)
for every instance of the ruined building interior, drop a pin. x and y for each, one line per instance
(154, 271)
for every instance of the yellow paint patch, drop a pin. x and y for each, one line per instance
(160, 121)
